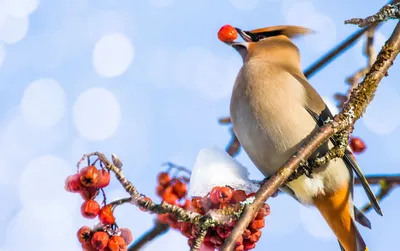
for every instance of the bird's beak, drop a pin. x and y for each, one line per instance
(246, 35)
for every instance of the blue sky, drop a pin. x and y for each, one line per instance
(147, 80)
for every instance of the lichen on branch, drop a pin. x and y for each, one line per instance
(390, 11)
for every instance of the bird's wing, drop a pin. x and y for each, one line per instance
(317, 108)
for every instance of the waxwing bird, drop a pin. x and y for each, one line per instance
(274, 110)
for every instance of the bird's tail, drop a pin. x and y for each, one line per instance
(336, 210)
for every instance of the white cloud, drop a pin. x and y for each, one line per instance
(281, 221)
(162, 3)
(20, 8)
(314, 223)
(2, 53)
(43, 103)
(13, 29)
(378, 117)
(112, 55)
(245, 4)
(96, 114)
(306, 15)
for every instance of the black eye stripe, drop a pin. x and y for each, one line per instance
(255, 37)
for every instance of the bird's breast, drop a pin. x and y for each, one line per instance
(269, 117)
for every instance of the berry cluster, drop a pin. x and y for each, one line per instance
(105, 239)
(173, 191)
(220, 198)
(88, 182)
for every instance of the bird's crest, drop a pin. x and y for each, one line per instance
(289, 31)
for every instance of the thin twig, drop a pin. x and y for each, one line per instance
(385, 189)
(354, 79)
(352, 111)
(158, 229)
(390, 11)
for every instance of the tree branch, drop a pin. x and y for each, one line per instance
(352, 111)
(158, 229)
(390, 11)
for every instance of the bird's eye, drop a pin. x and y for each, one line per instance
(261, 37)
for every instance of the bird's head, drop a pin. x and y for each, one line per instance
(259, 37)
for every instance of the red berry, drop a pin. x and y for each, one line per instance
(255, 236)
(163, 179)
(117, 243)
(84, 234)
(100, 240)
(216, 240)
(239, 196)
(251, 195)
(239, 241)
(224, 232)
(239, 248)
(186, 205)
(160, 189)
(169, 196)
(248, 245)
(88, 247)
(246, 234)
(190, 242)
(89, 176)
(88, 193)
(106, 215)
(214, 195)
(196, 204)
(186, 229)
(206, 204)
(257, 224)
(227, 33)
(194, 231)
(180, 189)
(104, 179)
(263, 212)
(73, 183)
(357, 145)
(127, 235)
(225, 194)
(207, 246)
(90, 209)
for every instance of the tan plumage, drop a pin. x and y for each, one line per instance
(274, 110)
